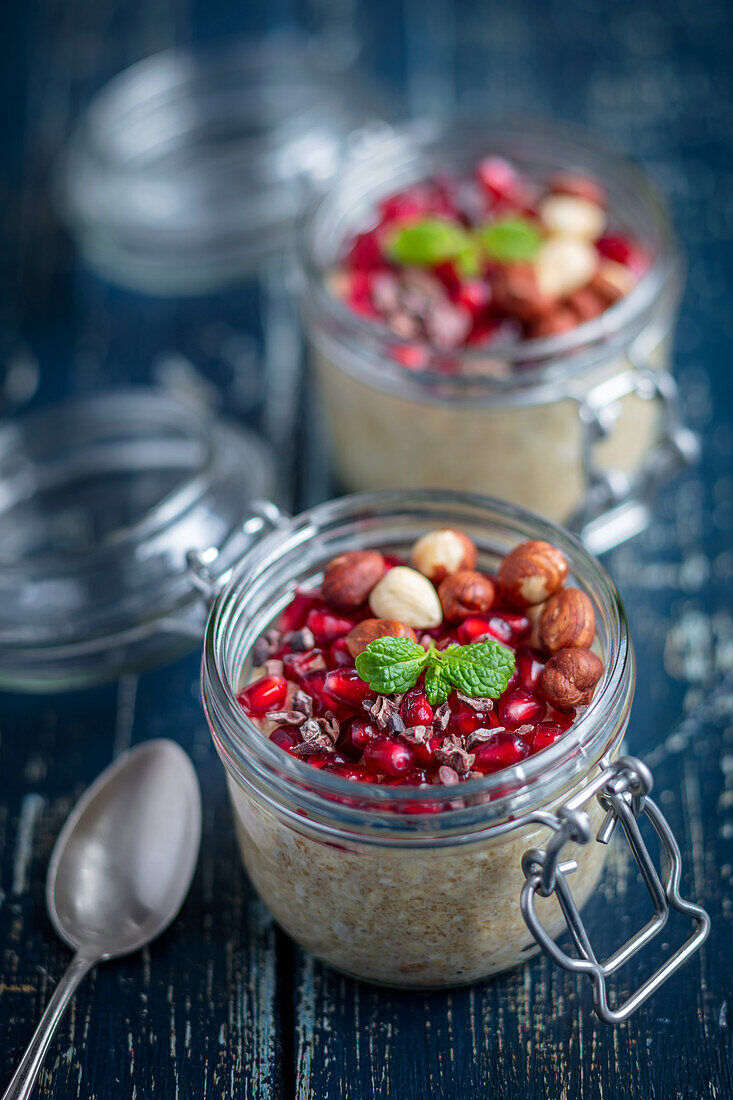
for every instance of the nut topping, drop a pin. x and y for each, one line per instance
(531, 572)
(465, 593)
(407, 596)
(439, 553)
(569, 678)
(370, 629)
(350, 577)
(568, 620)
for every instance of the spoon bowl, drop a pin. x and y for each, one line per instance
(119, 872)
(123, 862)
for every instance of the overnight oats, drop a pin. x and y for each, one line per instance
(493, 312)
(399, 692)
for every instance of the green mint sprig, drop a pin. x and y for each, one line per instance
(481, 669)
(429, 242)
(510, 240)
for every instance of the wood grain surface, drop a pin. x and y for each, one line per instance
(223, 1005)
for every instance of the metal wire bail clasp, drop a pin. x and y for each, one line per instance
(622, 789)
(204, 566)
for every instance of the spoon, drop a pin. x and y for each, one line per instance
(119, 873)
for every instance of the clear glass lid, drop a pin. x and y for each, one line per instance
(102, 500)
(189, 168)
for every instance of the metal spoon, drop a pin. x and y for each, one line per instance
(119, 872)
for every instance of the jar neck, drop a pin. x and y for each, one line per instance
(401, 157)
(336, 807)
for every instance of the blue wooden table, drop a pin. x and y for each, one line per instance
(223, 1005)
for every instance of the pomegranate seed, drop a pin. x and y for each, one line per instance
(547, 733)
(360, 294)
(503, 183)
(326, 626)
(356, 735)
(388, 756)
(346, 686)
(410, 356)
(315, 684)
(365, 253)
(320, 759)
(509, 627)
(519, 709)
(347, 770)
(425, 754)
(560, 718)
(615, 248)
(340, 654)
(475, 295)
(471, 629)
(269, 693)
(285, 737)
(529, 670)
(298, 665)
(464, 719)
(502, 751)
(415, 709)
(294, 615)
(449, 277)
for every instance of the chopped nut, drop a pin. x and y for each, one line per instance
(569, 678)
(408, 597)
(385, 714)
(303, 702)
(531, 572)
(465, 593)
(447, 776)
(417, 735)
(439, 553)
(477, 737)
(273, 667)
(479, 702)
(568, 620)
(441, 717)
(370, 629)
(452, 753)
(350, 577)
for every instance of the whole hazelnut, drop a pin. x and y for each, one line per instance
(568, 620)
(564, 264)
(531, 572)
(405, 595)
(350, 577)
(569, 678)
(439, 553)
(370, 629)
(466, 593)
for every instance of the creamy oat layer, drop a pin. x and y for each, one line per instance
(418, 919)
(528, 454)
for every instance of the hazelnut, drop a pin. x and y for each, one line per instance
(350, 577)
(572, 216)
(534, 614)
(612, 281)
(531, 572)
(370, 629)
(564, 264)
(517, 291)
(439, 553)
(569, 678)
(466, 593)
(405, 595)
(568, 620)
(582, 187)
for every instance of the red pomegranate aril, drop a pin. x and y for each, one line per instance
(356, 735)
(415, 709)
(365, 253)
(389, 757)
(471, 629)
(615, 248)
(299, 665)
(286, 737)
(546, 733)
(268, 693)
(294, 615)
(503, 750)
(560, 718)
(340, 654)
(326, 626)
(510, 627)
(346, 686)
(502, 183)
(520, 709)
(314, 683)
(529, 670)
(347, 770)
(320, 759)
(425, 753)
(464, 719)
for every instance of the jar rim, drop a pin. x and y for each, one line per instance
(492, 803)
(544, 360)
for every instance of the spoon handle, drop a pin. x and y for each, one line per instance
(24, 1078)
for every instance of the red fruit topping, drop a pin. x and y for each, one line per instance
(411, 356)
(464, 719)
(340, 654)
(388, 757)
(326, 626)
(616, 248)
(547, 733)
(415, 710)
(503, 183)
(347, 770)
(471, 629)
(294, 615)
(365, 253)
(269, 693)
(502, 751)
(346, 686)
(425, 753)
(519, 709)
(529, 669)
(356, 735)
(298, 665)
(286, 737)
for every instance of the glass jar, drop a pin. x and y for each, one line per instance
(578, 427)
(430, 887)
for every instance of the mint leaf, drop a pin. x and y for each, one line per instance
(510, 239)
(437, 688)
(479, 669)
(391, 664)
(428, 243)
